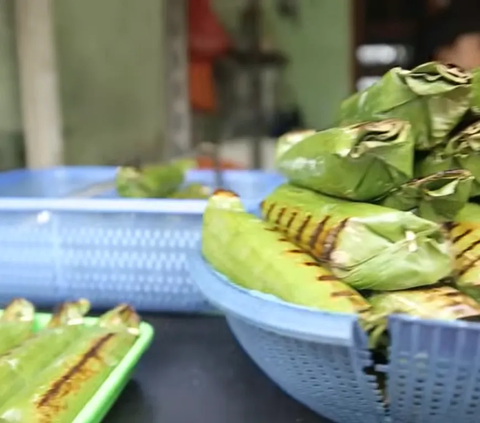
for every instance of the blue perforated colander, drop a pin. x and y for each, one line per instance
(321, 359)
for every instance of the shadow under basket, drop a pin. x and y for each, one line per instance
(322, 360)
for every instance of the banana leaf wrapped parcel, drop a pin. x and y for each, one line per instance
(63, 388)
(438, 197)
(20, 364)
(475, 106)
(461, 152)
(433, 97)
(152, 181)
(254, 255)
(365, 245)
(359, 162)
(442, 303)
(465, 238)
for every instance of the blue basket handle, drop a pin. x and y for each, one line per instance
(273, 314)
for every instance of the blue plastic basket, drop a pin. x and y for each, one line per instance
(320, 359)
(106, 249)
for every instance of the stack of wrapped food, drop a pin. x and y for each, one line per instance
(50, 374)
(378, 216)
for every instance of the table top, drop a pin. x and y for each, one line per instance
(195, 371)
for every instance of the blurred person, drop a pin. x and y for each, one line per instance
(452, 36)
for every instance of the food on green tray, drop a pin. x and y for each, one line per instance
(438, 197)
(359, 162)
(192, 191)
(461, 152)
(443, 303)
(465, 238)
(20, 364)
(367, 246)
(254, 255)
(153, 181)
(469, 213)
(59, 392)
(433, 97)
(16, 324)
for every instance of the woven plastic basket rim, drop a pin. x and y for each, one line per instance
(115, 205)
(275, 315)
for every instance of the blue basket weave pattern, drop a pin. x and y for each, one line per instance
(106, 249)
(321, 359)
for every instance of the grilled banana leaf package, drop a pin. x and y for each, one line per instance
(252, 254)
(476, 91)
(438, 197)
(442, 303)
(433, 97)
(16, 324)
(461, 152)
(367, 246)
(59, 392)
(19, 365)
(359, 162)
(152, 181)
(465, 237)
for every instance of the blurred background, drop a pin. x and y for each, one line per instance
(112, 82)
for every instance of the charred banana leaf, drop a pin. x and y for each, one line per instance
(365, 245)
(439, 303)
(438, 197)
(433, 97)
(359, 162)
(465, 239)
(16, 324)
(20, 364)
(62, 389)
(461, 152)
(254, 255)
(152, 181)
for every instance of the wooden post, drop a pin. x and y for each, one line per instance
(39, 91)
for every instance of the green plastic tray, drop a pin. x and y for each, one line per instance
(99, 405)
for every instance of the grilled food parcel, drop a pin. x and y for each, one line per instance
(438, 197)
(231, 238)
(461, 151)
(358, 162)
(159, 181)
(61, 390)
(433, 97)
(20, 364)
(367, 246)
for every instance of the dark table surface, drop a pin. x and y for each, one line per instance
(196, 372)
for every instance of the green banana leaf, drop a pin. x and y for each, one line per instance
(469, 214)
(288, 140)
(438, 197)
(359, 162)
(438, 303)
(152, 181)
(365, 245)
(16, 324)
(461, 152)
(37, 352)
(433, 97)
(253, 255)
(465, 238)
(60, 391)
